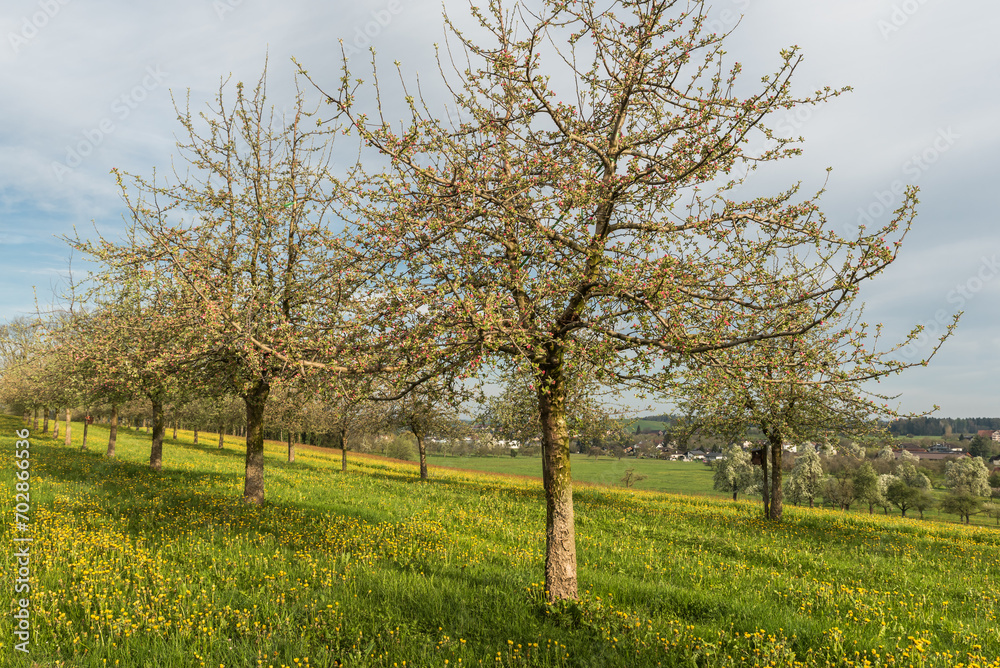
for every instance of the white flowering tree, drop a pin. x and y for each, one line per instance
(241, 237)
(969, 474)
(807, 474)
(866, 487)
(885, 481)
(908, 473)
(734, 472)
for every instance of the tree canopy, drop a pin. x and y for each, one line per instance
(577, 210)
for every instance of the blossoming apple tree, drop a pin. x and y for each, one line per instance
(576, 208)
(812, 386)
(240, 237)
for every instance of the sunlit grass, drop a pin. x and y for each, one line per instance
(660, 476)
(376, 568)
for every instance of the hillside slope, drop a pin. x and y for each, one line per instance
(375, 568)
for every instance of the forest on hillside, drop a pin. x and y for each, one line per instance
(927, 426)
(922, 426)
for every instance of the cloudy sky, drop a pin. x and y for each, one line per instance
(86, 87)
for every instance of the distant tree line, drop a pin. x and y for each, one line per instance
(925, 426)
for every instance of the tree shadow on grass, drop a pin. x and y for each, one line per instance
(239, 453)
(173, 502)
(443, 600)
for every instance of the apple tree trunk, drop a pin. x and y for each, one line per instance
(113, 431)
(159, 428)
(776, 489)
(255, 400)
(767, 483)
(560, 537)
(422, 449)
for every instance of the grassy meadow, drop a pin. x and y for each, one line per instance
(376, 568)
(661, 476)
(689, 478)
(648, 425)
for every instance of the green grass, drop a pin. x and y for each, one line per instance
(691, 478)
(661, 476)
(376, 568)
(648, 425)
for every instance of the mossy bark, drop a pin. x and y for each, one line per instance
(776, 489)
(343, 449)
(560, 537)
(159, 429)
(422, 449)
(113, 431)
(766, 490)
(253, 483)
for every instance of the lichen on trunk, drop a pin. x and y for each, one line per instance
(113, 431)
(343, 449)
(766, 489)
(159, 428)
(422, 449)
(560, 537)
(776, 489)
(255, 399)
